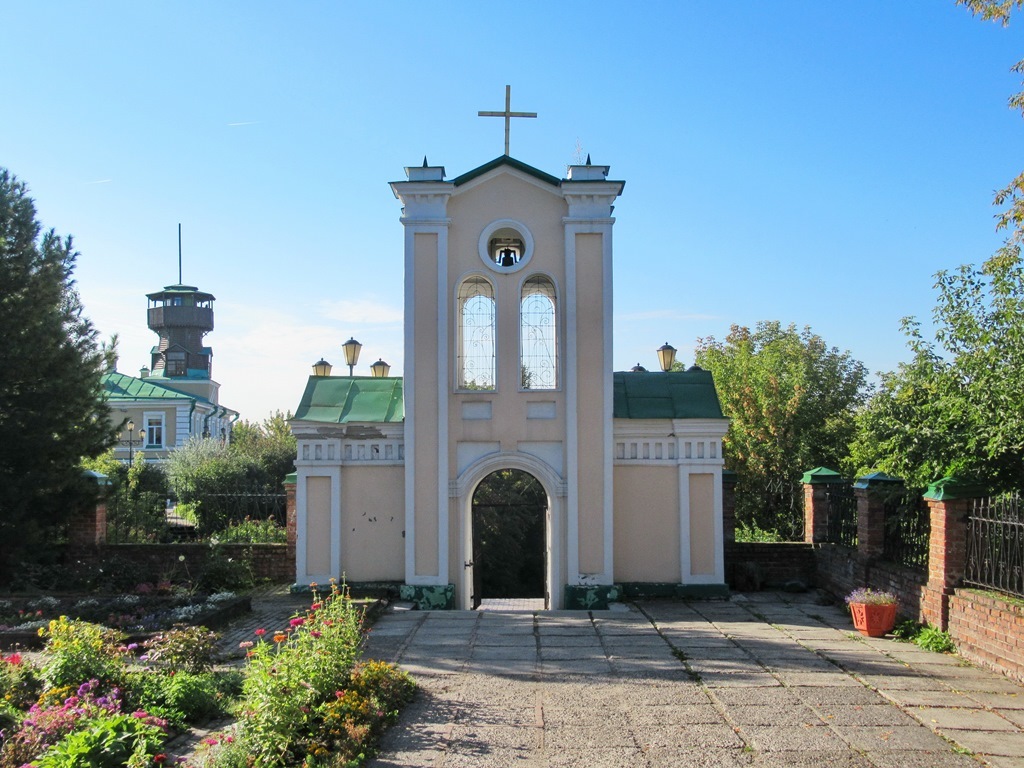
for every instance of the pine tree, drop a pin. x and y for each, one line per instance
(52, 414)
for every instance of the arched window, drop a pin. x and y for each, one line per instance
(538, 334)
(476, 334)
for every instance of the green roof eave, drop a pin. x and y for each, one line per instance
(352, 399)
(659, 395)
(511, 162)
(122, 387)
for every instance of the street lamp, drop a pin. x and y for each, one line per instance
(130, 426)
(380, 369)
(351, 348)
(666, 356)
(321, 368)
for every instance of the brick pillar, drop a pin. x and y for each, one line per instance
(949, 503)
(728, 506)
(816, 483)
(290, 519)
(89, 529)
(870, 493)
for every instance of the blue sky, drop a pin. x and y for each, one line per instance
(807, 162)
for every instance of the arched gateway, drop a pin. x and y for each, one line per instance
(508, 366)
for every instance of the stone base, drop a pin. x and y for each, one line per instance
(654, 590)
(591, 598)
(439, 597)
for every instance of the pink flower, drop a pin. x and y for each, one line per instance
(245, 644)
(261, 632)
(296, 622)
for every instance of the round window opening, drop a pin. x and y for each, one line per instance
(506, 246)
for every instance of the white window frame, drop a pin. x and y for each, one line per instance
(147, 417)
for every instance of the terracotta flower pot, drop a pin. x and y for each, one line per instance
(873, 620)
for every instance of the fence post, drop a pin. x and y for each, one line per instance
(949, 504)
(816, 484)
(871, 512)
(290, 519)
(89, 529)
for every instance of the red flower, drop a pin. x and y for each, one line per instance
(296, 622)
(159, 758)
(261, 632)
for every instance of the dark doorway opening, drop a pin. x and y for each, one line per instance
(509, 537)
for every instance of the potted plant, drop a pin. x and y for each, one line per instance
(873, 611)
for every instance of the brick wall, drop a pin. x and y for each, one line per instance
(268, 561)
(754, 565)
(989, 629)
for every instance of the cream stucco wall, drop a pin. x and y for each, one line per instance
(702, 524)
(647, 524)
(372, 523)
(592, 368)
(318, 525)
(506, 196)
(424, 395)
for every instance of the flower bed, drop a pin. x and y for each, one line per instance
(135, 614)
(304, 698)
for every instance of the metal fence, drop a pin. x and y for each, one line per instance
(907, 528)
(150, 517)
(842, 514)
(137, 518)
(774, 504)
(995, 544)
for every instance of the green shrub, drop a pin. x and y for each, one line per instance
(182, 698)
(301, 668)
(752, 533)
(20, 684)
(934, 639)
(251, 531)
(77, 651)
(111, 741)
(186, 648)
(926, 636)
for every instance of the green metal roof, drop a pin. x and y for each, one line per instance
(657, 395)
(510, 161)
(345, 399)
(120, 386)
(178, 289)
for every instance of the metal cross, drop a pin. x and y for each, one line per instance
(507, 114)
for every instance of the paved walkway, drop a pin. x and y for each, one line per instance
(761, 680)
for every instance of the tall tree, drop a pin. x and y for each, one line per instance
(52, 414)
(1012, 195)
(269, 444)
(791, 399)
(958, 408)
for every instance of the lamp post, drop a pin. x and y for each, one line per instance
(666, 356)
(130, 426)
(380, 369)
(351, 348)
(321, 368)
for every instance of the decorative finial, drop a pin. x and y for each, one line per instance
(588, 158)
(425, 162)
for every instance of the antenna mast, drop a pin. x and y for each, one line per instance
(179, 253)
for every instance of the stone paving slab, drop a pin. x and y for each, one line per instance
(772, 681)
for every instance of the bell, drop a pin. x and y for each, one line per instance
(507, 257)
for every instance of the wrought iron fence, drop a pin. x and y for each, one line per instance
(774, 504)
(137, 517)
(995, 544)
(150, 517)
(214, 508)
(842, 514)
(907, 528)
